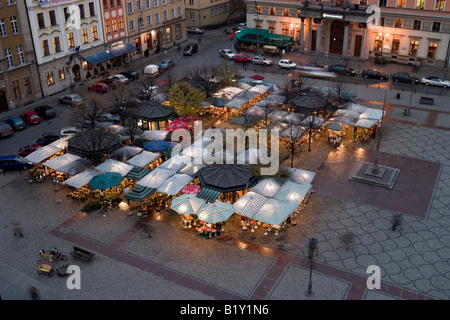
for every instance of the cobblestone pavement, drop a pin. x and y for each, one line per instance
(175, 264)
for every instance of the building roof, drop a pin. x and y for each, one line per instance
(154, 111)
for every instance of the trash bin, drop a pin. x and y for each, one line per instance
(405, 111)
(398, 95)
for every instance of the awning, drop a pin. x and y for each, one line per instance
(208, 194)
(192, 168)
(60, 161)
(267, 187)
(83, 178)
(98, 58)
(174, 184)
(300, 175)
(156, 178)
(143, 159)
(121, 50)
(139, 193)
(137, 173)
(215, 212)
(249, 204)
(42, 153)
(275, 211)
(114, 166)
(176, 163)
(187, 204)
(292, 192)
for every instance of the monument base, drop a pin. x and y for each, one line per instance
(385, 177)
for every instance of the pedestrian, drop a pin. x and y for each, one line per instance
(34, 293)
(374, 131)
(17, 228)
(326, 54)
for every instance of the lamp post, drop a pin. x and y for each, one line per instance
(257, 33)
(141, 21)
(312, 247)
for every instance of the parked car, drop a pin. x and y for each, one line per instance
(5, 130)
(109, 117)
(311, 65)
(111, 83)
(68, 131)
(342, 70)
(47, 138)
(435, 81)
(13, 162)
(242, 57)
(375, 74)
(121, 78)
(16, 123)
(227, 54)
(231, 30)
(287, 64)
(131, 75)
(72, 99)
(195, 30)
(242, 25)
(191, 49)
(29, 148)
(262, 61)
(405, 78)
(45, 112)
(166, 64)
(151, 70)
(99, 87)
(30, 117)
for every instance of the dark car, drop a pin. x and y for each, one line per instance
(166, 64)
(405, 78)
(191, 49)
(231, 30)
(30, 148)
(5, 130)
(16, 123)
(342, 70)
(48, 138)
(45, 112)
(12, 162)
(99, 87)
(131, 75)
(375, 74)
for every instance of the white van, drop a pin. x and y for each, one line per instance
(151, 70)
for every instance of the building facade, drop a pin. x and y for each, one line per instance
(64, 32)
(201, 13)
(19, 83)
(400, 30)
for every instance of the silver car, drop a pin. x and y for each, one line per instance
(262, 61)
(435, 81)
(72, 99)
(227, 53)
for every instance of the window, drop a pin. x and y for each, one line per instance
(272, 10)
(16, 89)
(191, 2)
(420, 4)
(378, 44)
(66, 14)
(9, 58)
(70, 40)
(82, 14)
(381, 21)
(258, 9)
(61, 74)
(285, 31)
(41, 21)
(440, 4)
(172, 13)
(140, 23)
(258, 25)
(436, 27)
(114, 25)
(27, 85)
(45, 49)
(149, 20)
(413, 48)
(130, 7)
(20, 54)
(85, 36)
(10, 2)
(398, 22)
(401, 3)
(382, 3)
(105, 4)
(417, 24)
(131, 24)
(94, 33)
(164, 2)
(108, 26)
(191, 16)
(138, 5)
(56, 44)
(156, 17)
(286, 12)
(91, 9)
(177, 31)
(3, 31)
(432, 50)
(119, 3)
(168, 35)
(111, 2)
(271, 28)
(180, 11)
(50, 80)
(395, 46)
(121, 23)
(164, 15)
(14, 25)
(148, 4)
(52, 16)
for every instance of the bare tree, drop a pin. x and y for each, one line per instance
(267, 106)
(149, 88)
(121, 100)
(89, 115)
(291, 138)
(204, 79)
(227, 74)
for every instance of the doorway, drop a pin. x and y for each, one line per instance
(3, 102)
(313, 40)
(337, 36)
(76, 73)
(357, 49)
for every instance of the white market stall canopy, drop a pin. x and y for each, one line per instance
(274, 211)
(42, 153)
(154, 135)
(114, 166)
(61, 142)
(192, 168)
(259, 88)
(82, 178)
(300, 175)
(143, 159)
(176, 163)
(249, 204)
(174, 184)
(156, 178)
(268, 187)
(61, 161)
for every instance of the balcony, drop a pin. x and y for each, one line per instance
(333, 9)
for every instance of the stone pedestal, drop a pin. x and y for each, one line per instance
(385, 177)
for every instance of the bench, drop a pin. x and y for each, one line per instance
(426, 100)
(82, 254)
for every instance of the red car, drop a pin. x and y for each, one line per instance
(30, 117)
(242, 57)
(24, 151)
(99, 87)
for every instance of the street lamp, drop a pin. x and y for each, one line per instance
(141, 21)
(257, 32)
(312, 247)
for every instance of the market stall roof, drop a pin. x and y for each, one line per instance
(370, 113)
(294, 118)
(105, 180)
(215, 212)
(291, 191)
(176, 163)
(82, 178)
(263, 37)
(92, 142)
(236, 103)
(192, 168)
(174, 184)
(365, 123)
(137, 173)
(156, 178)
(143, 159)
(249, 204)
(139, 193)
(208, 194)
(60, 161)
(249, 156)
(228, 92)
(226, 177)
(268, 187)
(293, 131)
(124, 153)
(300, 175)
(152, 110)
(42, 153)
(311, 101)
(114, 166)
(156, 145)
(76, 166)
(274, 211)
(259, 89)
(314, 122)
(187, 204)
(154, 134)
(61, 143)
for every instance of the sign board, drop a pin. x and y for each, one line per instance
(50, 3)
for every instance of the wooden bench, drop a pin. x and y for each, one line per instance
(426, 100)
(82, 254)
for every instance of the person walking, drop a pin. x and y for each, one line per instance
(17, 228)
(34, 293)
